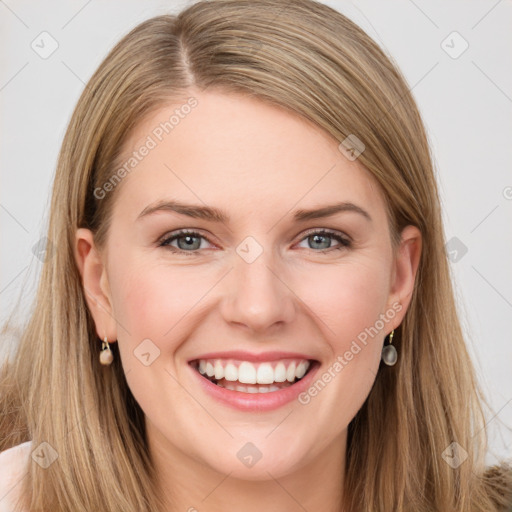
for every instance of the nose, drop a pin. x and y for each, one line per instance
(258, 298)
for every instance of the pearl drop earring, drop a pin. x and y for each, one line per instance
(389, 353)
(106, 356)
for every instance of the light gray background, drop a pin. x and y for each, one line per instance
(466, 103)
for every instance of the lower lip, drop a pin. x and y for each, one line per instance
(257, 401)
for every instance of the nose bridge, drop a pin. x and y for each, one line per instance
(259, 298)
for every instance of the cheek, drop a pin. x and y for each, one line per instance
(151, 299)
(350, 300)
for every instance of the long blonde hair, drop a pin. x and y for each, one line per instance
(311, 59)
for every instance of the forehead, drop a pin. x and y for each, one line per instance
(235, 150)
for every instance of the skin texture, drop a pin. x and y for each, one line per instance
(258, 163)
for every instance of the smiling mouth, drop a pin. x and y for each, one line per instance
(248, 377)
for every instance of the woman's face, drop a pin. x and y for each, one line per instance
(261, 295)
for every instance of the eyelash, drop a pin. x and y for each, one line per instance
(345, 243)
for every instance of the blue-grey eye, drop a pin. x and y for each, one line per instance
(187, 241)
(321, 240)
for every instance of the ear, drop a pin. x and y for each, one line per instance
(405, 266)
(95, 284)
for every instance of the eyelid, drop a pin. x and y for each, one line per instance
(327, 231)
(184, 231)
(168, 237)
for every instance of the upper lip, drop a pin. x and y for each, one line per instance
(248, 356)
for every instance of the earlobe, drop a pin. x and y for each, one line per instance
(405, 268)
(95, 284)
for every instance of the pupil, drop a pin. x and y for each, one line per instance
(316, 239)
(189, 240)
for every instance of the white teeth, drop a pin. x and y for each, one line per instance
(219, 370)
(290, 373)
(301, 370)
(252, 389)
(231, 372)
(247, 373)
(280, 373)
(265, 374)
(210, 371)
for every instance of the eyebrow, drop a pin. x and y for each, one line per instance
(216, 215)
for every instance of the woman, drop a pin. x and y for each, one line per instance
(192, 347)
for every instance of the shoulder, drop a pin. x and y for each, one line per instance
(12, 468)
